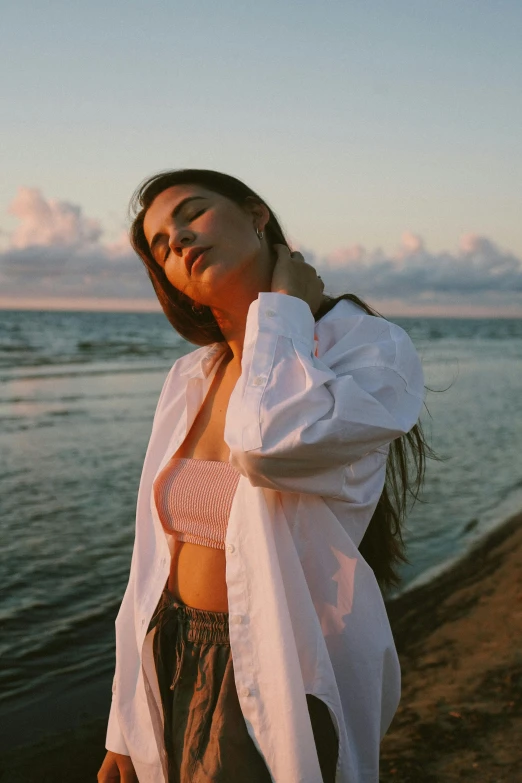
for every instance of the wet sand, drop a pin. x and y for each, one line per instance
(460, 644)
(459, 640)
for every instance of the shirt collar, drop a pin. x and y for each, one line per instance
(200, 363)
(203, 360)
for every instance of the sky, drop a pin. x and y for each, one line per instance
(385, 134)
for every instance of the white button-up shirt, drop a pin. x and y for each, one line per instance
(308, 425)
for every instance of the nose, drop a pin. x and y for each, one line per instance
(180, 239)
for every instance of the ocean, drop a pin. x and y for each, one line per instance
(77, 396)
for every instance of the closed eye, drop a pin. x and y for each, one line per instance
(167, 253)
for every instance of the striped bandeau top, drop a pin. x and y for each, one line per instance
(194, 498)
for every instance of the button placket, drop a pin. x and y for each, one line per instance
(238, 622)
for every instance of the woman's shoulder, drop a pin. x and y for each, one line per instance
(348, 332)
(193, 359)
(346, 316)
(198, 361)
(188, 365)
(349, 324)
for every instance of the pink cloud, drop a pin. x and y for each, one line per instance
(411, 244)
(47, 223)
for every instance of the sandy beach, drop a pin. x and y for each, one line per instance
(460, 716)
(459, 641)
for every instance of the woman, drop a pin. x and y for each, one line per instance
(252, 643)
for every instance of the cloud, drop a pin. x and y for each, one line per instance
(49, 223)
(478, 273)
(58, 252)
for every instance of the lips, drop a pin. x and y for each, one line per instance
(192, 256)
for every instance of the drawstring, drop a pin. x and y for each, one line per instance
(159, 617)
(180, 651)
(159, 613)
(190, 625)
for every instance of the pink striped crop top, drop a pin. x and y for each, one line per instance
(194, 498)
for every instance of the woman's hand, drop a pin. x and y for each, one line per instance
(117, 769)
(293, 276)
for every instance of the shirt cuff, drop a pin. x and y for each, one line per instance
(114, 740)
(283, 315)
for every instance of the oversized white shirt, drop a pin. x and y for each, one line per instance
(308, 425)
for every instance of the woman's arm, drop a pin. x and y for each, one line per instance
(297, 422)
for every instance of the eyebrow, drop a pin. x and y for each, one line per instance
(175, 212)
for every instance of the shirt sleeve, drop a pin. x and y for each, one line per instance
(296, 422)
(114, 740)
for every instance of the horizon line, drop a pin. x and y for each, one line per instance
(390, 308)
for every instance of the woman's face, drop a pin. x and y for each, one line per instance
(185, 218)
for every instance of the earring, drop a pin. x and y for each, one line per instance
(259, 233)
(197, 310)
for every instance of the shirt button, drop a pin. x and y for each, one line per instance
(270, 313)
(236, 619)
(143, 621)
(258, 381)
(231, 548)
(245, 692)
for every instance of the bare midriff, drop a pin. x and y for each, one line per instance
(198, 573)
(197, 576)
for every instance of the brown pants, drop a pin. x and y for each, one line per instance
(206, 737)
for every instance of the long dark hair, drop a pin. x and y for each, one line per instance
(382, 545)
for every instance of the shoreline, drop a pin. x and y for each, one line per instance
(458, 639)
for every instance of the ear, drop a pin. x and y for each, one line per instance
(259, 211)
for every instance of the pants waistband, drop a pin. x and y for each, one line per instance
(196, 625)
